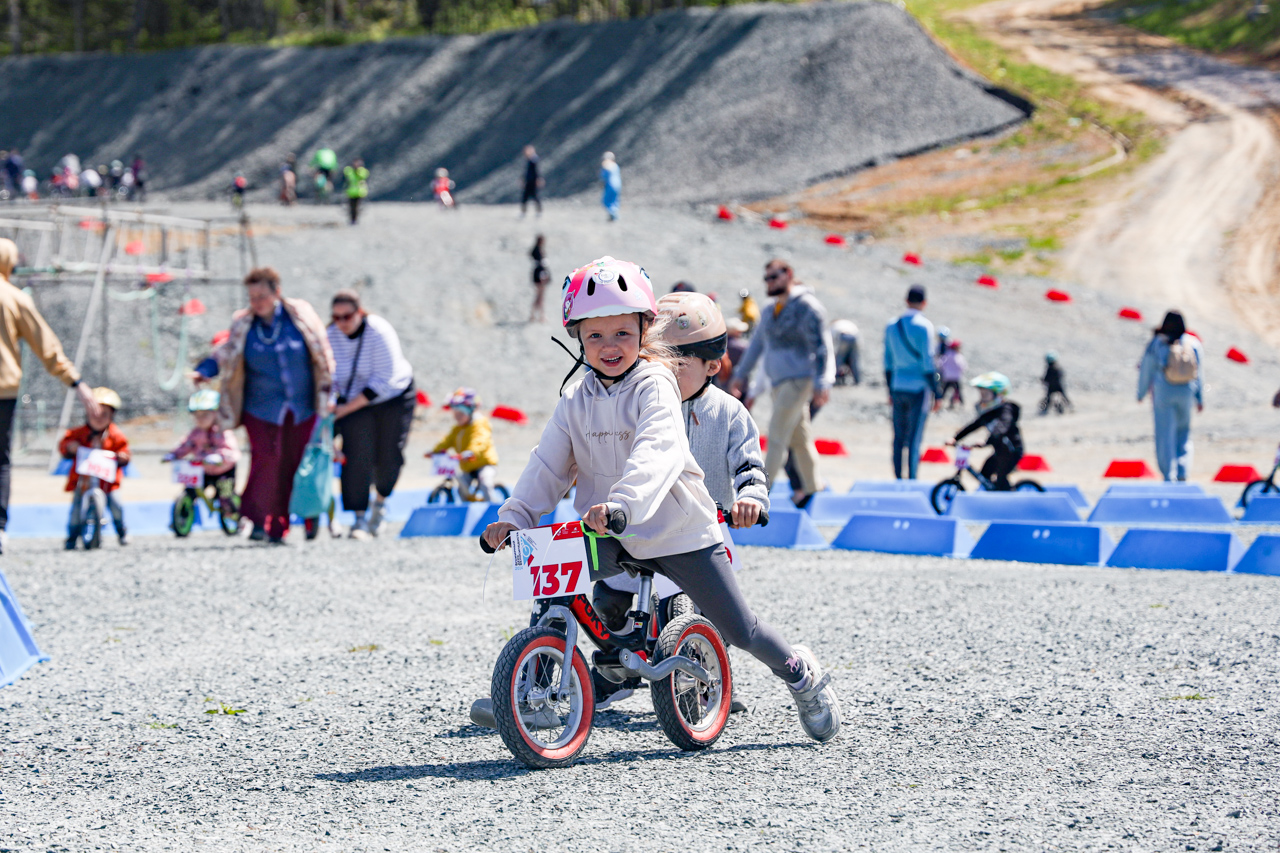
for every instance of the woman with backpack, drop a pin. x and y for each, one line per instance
(1170, 370)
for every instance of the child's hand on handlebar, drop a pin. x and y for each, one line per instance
(597, 518)
(950, 442)
(498, 533)
(744, 513)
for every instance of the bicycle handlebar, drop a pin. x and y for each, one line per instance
(617, 524)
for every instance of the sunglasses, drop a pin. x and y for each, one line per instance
(776, 274)
(342, 318)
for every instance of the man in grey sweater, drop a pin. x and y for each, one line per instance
(795, 341)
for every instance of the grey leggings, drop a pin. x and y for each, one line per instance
(708, 580)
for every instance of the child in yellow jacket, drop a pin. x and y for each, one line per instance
(471, 440)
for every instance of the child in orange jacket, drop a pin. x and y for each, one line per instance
(98, 433)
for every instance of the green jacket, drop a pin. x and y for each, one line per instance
(357, 181)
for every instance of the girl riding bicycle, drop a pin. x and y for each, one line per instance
(471, 440)
(1000, 417)
(619, 431)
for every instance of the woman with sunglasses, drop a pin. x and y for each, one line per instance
(374, 384)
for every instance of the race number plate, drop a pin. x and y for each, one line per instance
(962, 457)
(188, 473)
(91, 462)
(550, 561)
(446, 465)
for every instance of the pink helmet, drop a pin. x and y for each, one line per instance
(606, 288)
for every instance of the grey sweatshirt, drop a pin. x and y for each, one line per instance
(796, 344)
(726, 444)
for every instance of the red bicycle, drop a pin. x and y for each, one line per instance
(543, 701)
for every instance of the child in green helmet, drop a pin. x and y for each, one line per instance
(214, 447)
(1000, 416)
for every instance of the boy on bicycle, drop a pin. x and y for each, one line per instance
(619, 432)
(1000, 417)
(471, 440)
(98, 433)
(214, 447)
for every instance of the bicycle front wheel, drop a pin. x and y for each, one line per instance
(441, 495)
(1027, 486)
(1255, 489)
(693, 712)
(91, 533)
(184, 515)
(540, 728)
(944, 493)
(229, 514)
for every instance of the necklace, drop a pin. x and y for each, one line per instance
(275, 332)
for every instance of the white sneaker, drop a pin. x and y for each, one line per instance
(816, 700)
(376, 516)
(360, 530)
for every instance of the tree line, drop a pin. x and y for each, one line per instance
(44, 26)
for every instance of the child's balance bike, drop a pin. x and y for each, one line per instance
(544, 709)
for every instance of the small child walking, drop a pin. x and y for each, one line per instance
(951, 370)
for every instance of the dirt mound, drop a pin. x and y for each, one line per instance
(740, 102)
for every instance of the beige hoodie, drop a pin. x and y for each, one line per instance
(626, 446)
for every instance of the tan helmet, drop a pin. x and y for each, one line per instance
(696, 327)
(106, 397)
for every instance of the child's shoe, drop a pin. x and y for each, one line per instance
(123, 535)
(73, 536)
(816, 700)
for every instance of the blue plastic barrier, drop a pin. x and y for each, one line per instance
(18, 649)
(905, 534)
(1071, 491)
(922, 486)
(1012, 506)
(1262, 558)
(1195, 550)
(443, 520)
(788, 528)
(399, 506)
(834, 509)
(1264, 509)
(1123, 489)
(1159, 509)
(1027, 542)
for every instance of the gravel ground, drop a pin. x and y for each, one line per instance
(988, 706)
(700, 104)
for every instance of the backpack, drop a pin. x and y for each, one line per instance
(1181, 366)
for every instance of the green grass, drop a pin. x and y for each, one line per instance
(1217, 26)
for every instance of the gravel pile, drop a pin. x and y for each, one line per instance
(702, 104)
(988, 706)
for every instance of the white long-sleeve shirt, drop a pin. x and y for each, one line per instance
(626, 446)
(382, 372)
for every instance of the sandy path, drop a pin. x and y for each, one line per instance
(1197, 226)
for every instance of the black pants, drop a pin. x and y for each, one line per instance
(1001, 464)
(6, 441)
(353, 205)
(530, 194)
(373, 440)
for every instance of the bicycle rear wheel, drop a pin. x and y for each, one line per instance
(944, 493)
(441, 495)
(91, 533)
(229, 514)
(539, 729)
(692, 712)
(502, 490)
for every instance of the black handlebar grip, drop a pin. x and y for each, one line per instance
(617, 522)
(763, 521)
(485, 546)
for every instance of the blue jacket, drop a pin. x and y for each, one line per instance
(909, 345)
(796, 343)
(1151, 375)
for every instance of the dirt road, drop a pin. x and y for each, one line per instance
(1198, 226)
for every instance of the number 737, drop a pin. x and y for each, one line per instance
(546, 579)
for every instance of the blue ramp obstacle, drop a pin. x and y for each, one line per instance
(1182, 488)
(1012, 506)
(1027, 542)
(18, 649)
(924, 487)
(831, 508)
(1159, 509)
(905, 534)
(1195, 550)
(1262, 558)
(1071, 491)
(1264, 509)
(399, 506)
(788, 528)
(444, 520)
